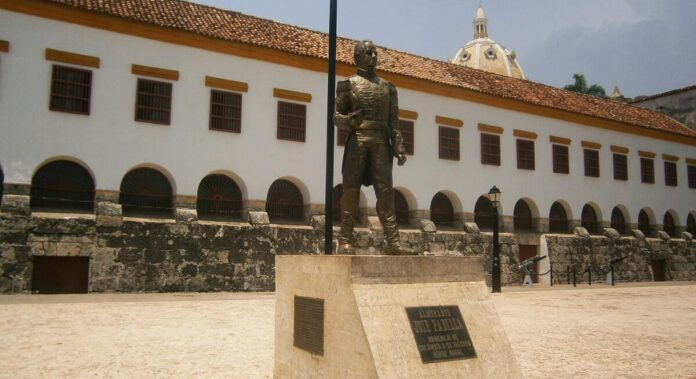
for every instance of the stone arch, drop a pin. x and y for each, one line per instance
(691, 223)
(410, 198)
(442, 209)
(591, 218)
(167, 174)
(523, 219)
(670, 222)
(68, 158)
(401, 207)
(237, 180)
(285, 201)
(218, 197)
(483, 213)
(559, 217)
(62, 185)
(146, 191)
(646, 218)
(620, 219)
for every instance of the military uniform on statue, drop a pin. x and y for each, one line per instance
(367, 106)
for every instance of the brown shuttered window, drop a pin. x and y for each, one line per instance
(449, 143)
(407, 134)
(525, 154)
(225, 111)
(292, 119)
(342, 136)
(647, 170)
(153, 102)
(620, 167)
(70, 90)
(490, 149)
(691, 172)
(671, 174)
(560, 159)
(591, 163)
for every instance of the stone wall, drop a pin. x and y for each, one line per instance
(185, 254)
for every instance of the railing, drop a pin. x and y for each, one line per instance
(49, 199)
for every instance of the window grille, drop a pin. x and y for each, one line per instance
(406, 127)
(441, 210)
(401, 208)
(589, 220)
(647, 170)
(620, 167)
(449, 143)
(591, 163)
(644, 223)
(490, 149)
(483, 213)
(146, 192)
(292, 120)
(671, 174)
(617, 221)
(153, 102)
(62, 186)
(558, 219)
(225, 111)
(525, 154)
(219, 197)
(560, 159)
(668, 225)
(522, 216)
(691, 173)
(70, 90)
(284, 202)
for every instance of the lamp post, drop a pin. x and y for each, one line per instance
(494, 196)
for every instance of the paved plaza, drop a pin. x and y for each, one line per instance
(629, 331)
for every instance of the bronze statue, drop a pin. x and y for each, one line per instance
(367, 107)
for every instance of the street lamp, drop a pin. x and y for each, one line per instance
(494, 197)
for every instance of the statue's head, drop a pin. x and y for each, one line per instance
(365, 55)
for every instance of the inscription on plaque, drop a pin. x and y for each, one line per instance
(440, 333)
(308, 325)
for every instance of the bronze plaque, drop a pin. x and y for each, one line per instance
(308, 325)
(440, 333)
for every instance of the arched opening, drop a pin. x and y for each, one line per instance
(644, 223)
(668, 224)
(219, 197)
(401, 208)
(558, 219)
(146, 192)
(522, 216)
(284, 202)
(336, 203)
(62, 186)
(589, 219)
(441, 210)
(618, 221)
(2, 183)
(691, 224)
(483, 213)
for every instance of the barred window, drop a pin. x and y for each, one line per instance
(558, 219)
(525, 154)
(560, 159)
(401, 208)
(620, 167)
(441, 210)
(691, 172)
(522, 216)
(591, 163)
(70, 90)
(219, 197)
(406, 127)
(284, 202)
(153, 102)
(292, 120)
(691, 224)
(490, 149)
(644, 223)
(589, 219)
(671, 174)
(449, 143)
(618, 221)
(647, 170)
(484, 213)
(668, 225)
(225, 111)
(62, 186)
(146, 192)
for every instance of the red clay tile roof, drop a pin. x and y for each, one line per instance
(238, 27)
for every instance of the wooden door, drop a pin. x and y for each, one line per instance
(53, 275)
(658, 268)
(526, 252)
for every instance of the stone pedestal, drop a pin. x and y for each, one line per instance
(348, 315)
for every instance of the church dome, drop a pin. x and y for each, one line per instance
(485, 54)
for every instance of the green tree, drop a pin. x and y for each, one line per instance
(580, 85)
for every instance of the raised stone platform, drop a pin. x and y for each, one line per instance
(387, 317)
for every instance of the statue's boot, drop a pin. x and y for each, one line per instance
(394, 244)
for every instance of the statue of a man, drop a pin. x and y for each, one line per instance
(367, 107)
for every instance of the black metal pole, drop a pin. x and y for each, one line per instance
(495, 275)
(575, 283)
(611, 267)
(568, 273)
(550, 272)
(328, 203)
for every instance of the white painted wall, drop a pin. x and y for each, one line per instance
(110, 143)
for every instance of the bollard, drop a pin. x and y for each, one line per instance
(568, 273)
(574, 279)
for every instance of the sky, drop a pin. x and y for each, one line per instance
(644, 47)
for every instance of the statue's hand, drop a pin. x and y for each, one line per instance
(401, 159)
(350, 121)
